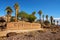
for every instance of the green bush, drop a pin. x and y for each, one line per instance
(31, 18)
(23, 15)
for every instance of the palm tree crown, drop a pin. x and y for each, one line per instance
(33, 13)
(9, 10)
(16, 6)
(51, 19)
(47, 17)
(40, 12)
(54, 22)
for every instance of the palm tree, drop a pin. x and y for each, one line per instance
(40, 13)
(57, 22)
(16, 6)
(47, 17)
(54, 22)
(9, 12)
(43, 18)
(33, 13)
(51, 19)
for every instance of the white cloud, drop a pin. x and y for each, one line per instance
(56, 21)
(56, 18)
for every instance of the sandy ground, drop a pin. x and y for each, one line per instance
(36, 35)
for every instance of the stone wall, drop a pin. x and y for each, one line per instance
(22, 25)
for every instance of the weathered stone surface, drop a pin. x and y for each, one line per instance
(22, 25)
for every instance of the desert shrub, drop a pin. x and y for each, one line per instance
(53, 32)
(11, 34)
(46, 22)
(40, 31)
(29, 35)
(12, 19)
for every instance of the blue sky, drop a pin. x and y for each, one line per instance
(48, 7)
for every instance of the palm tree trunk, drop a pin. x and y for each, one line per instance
(51, 22)
(7, 18)
(40, 18)
(16, 15)
(57, 23)
(43, 19)
(47, 19)
(54, 23)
